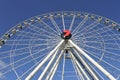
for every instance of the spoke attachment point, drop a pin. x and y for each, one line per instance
(66, 34)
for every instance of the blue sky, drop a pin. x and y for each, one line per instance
(15, 11)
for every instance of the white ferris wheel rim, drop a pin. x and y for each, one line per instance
(90, 32)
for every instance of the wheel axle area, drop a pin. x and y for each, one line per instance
(66, 34)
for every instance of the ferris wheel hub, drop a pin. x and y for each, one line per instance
(66, 34)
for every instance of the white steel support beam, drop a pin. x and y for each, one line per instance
(54, 71)
(79, 73)
(48, 65)
(54, 68)
(92, 73)
(92, 60)
(80, 67)
(63, 67)
(41, 63)
(51, 78)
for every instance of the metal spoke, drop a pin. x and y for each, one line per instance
(55, 25)
(63, 22)
(71, 25)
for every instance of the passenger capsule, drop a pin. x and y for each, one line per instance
(99, 19)
(2, 42)
(65, 14)
(7, 36)
(58, 14)
(51, 15)
(92, 17)
(86, 15)
(114, 25)
(78, 14)
(19, 27)
(13, 31)
(71, 14)
(25, 23)
(107, 22)
(32, 20)
(45, 17)
(38, 18)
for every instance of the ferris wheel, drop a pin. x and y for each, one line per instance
(66, 45)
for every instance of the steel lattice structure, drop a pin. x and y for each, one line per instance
(60, 46)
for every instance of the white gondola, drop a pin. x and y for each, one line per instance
(38, 18)
(114, 25)
(26, 23)
(78, 14)
(86, 15)
(19, 27)
(32, 20)
(7, 36)
(65, 14)
(92, 17)
(99, 19)
(2, 42)
(45, 17)
(71, 14)
(51, 15)
(107, 22)
(13, 31)
(58, 15)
